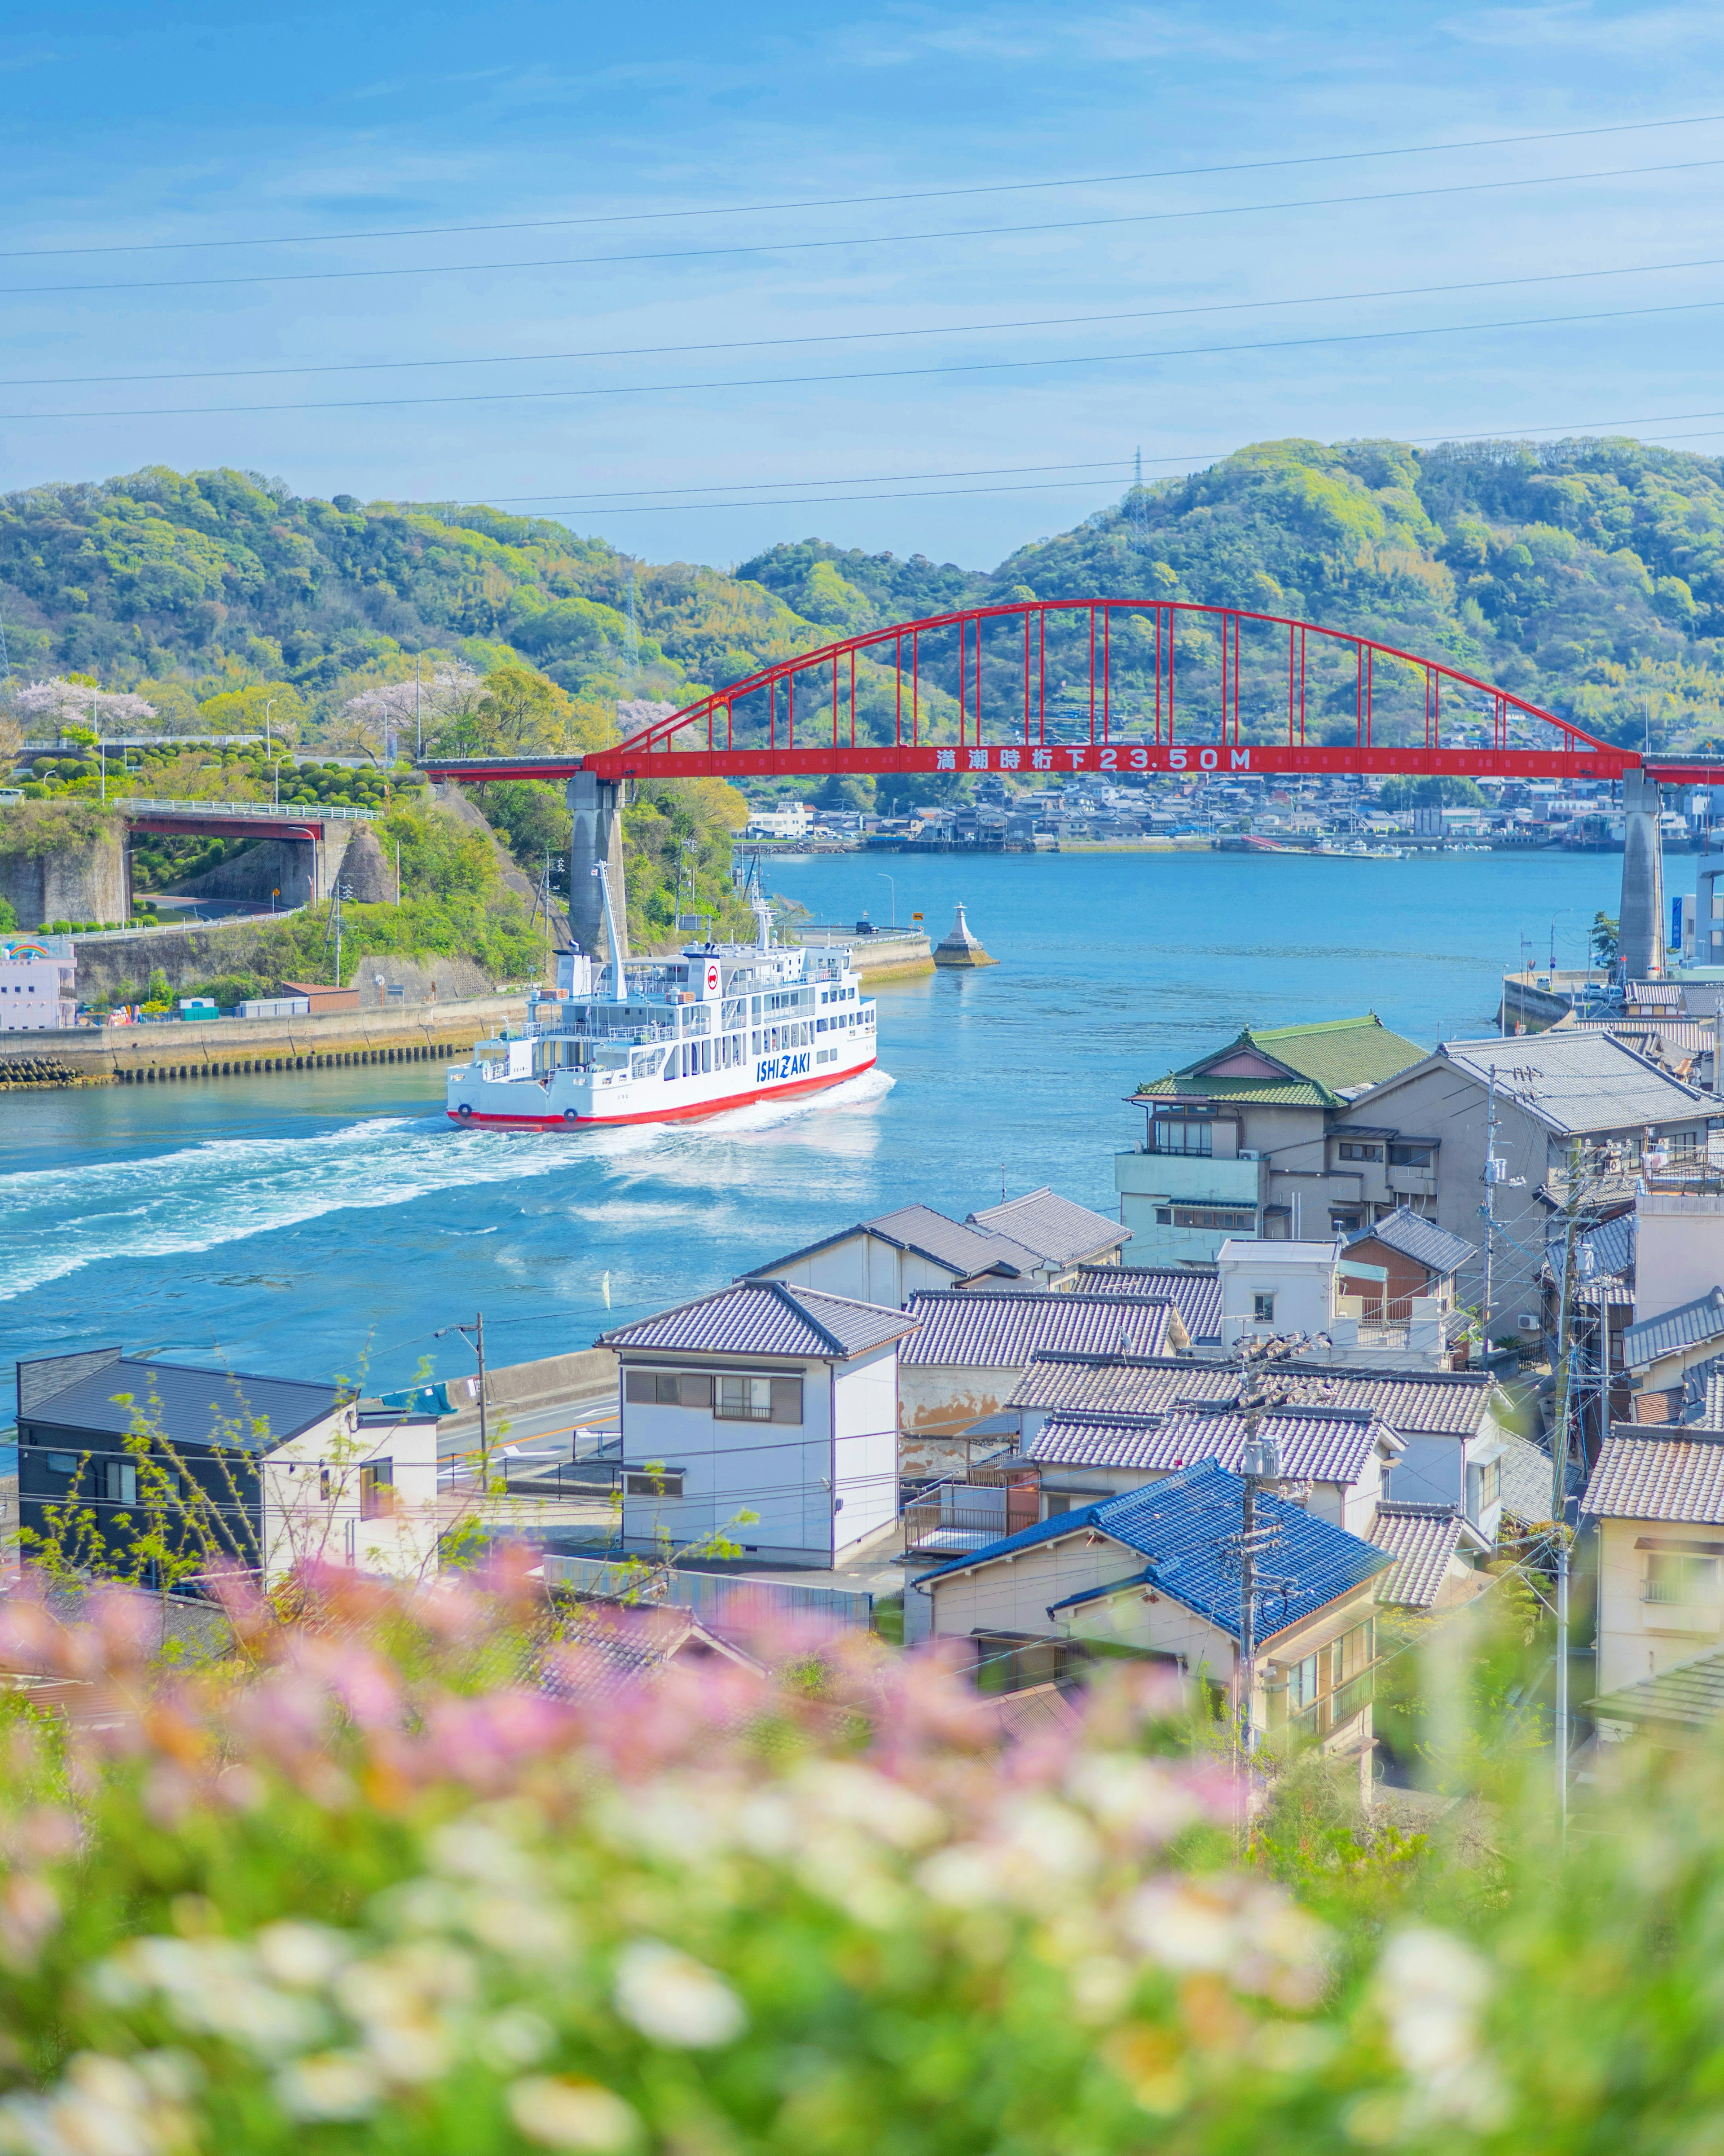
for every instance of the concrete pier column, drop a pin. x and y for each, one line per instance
(1640, 946)
(596, 806)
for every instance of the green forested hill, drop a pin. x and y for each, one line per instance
(1588, 575)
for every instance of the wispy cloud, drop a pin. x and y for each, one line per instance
(1572, 27)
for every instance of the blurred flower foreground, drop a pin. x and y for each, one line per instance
(418, 1871)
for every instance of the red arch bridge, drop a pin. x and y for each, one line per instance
(1108, 685)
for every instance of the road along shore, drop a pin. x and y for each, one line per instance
(176, 1049)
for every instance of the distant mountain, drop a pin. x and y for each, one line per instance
(1587, 575)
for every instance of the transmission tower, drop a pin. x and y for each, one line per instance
(1137, 509)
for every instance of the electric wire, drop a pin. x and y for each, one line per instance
(867, 374)
(853, 202)
(866, 239)
(855, 337)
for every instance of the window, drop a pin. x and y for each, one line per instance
(1263, 1309)
(1168, 1134)
(1409, 1156)
(665, 1485)
(62, 1463)
(668, 1389)
(1489, 1484)
(760, 1399)
(120, 1481)
(1672, 1577)
(1164, 1216)
(376, 1489)
(1208, 1216)
(1302, 1684)
(1357, 1648)
(1342, 1224)
(1360, 1151)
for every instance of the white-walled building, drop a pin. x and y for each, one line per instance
(1341, 1457)
(765, 1399)
(37, 977)
(790, 820)
(271, 1473)
(1275, 1288)
(1455, 1428)
(1040, 1240)
(1657, 1500)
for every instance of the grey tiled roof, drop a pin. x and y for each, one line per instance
(1441, 1403)
(221, 1408)
(968, 1251)
(1314, 1446)
(1657, 1476)
(974, 1329)
(1689, 1697)
(766, 1317)
(1422, 1539)
(1579, 1081)
(1183, 1527)
(1053, 1226)
(1195, 1295)
(1527, 1481)
(964, 1252)
(1690, 1325)
(1418, 1238)
(1105, 1384)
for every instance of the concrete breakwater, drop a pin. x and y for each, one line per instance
(885, 954)
(243, 1048)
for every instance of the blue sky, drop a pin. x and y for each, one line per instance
(912, 425)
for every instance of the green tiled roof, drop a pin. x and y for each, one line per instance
(1322, 1061)
(1294, 1093)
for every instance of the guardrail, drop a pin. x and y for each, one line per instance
(339, 812)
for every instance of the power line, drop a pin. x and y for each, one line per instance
(865, 374)
(867, 239)
(858, 336)
(852, 202)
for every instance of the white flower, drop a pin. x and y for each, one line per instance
(1432, 1987)
(303, 1956)
(103, 2107)
(537, 1932)
(561, 2113)
(675, 1999)
(1129, 1794)
(514, 2037)
(466, 1849)
(329, 2084)
(1181, 1928)
(875, 1803)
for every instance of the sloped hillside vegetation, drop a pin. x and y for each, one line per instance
(1587, 575)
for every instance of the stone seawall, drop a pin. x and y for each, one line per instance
(243, 1047)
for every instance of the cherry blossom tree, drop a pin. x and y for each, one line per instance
(396, 710)
(58, 703)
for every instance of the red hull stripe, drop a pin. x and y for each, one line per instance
(669, 1115)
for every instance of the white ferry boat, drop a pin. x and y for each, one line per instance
(649, 1040)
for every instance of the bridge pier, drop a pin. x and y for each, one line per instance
(596, 807)
(1640, 930)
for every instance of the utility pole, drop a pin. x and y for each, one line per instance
(1559, 1476)
(474, 1335)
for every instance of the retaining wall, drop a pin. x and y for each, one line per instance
(243, 1047)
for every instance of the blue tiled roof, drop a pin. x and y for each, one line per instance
(1181, 1525)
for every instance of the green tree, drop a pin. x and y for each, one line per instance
(1605, 938)
(1395, 794)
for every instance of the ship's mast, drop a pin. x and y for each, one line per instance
(610, 930)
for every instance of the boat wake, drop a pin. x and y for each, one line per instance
(167, 1205)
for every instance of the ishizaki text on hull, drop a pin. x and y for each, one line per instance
(650, 1040)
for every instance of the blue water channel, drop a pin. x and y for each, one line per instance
(327, 1222)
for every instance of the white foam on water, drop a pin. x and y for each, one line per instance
(56, 1221)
